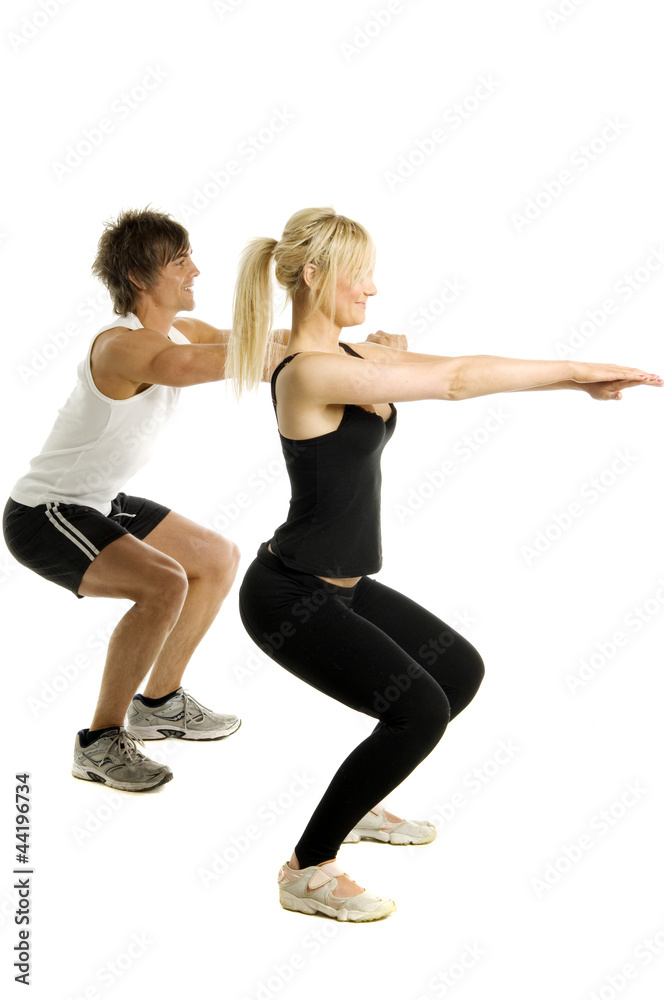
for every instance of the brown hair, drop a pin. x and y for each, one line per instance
(139, 242)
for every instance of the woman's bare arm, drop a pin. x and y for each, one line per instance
(330, 378)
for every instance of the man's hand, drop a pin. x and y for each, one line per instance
(398, 340)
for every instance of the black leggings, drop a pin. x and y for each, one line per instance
(374, 650)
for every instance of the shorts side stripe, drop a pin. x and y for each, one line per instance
(69, 531)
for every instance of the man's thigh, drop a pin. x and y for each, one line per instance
(197, 549)
(58, 541)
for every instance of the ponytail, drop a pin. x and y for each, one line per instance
(249, 344)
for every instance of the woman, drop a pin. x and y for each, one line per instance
(307, 599)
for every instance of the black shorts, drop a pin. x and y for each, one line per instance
(59, 540)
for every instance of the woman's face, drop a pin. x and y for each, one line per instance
(351, 299)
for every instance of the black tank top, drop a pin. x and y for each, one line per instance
(333, 523)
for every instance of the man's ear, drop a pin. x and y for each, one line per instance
(132, 278)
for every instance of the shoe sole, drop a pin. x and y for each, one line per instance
(312, 906)
(166, 733)
(124, 786)
(381, 836)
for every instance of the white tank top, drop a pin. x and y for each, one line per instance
(97, 443)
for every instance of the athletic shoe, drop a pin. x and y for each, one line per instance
(179, 718)
(311, 890)
(114, 759)
(374, 826)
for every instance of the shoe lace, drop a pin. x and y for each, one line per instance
(126, 746)
(193, 710)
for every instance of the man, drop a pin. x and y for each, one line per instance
(68, 520)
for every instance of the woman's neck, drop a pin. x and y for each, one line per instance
(313, 333)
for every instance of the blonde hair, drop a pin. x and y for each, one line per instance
(318, 236)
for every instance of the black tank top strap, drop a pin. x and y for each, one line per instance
(349, 350)
(276, 371)
(273, 380)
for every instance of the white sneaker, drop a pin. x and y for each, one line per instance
(375, 826)
(311, 890)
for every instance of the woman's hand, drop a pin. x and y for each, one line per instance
(612, 390)
(606, 381)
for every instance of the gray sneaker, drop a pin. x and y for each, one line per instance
(115, 760)
(180, 718)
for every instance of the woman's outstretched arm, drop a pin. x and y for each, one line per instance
(331, 378)
(394, 352)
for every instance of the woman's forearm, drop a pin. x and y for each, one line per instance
(567, 384)
(483, 374)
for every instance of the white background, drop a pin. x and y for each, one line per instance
(503, 877)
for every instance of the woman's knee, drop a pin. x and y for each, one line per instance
(421, 708)
(473, 675)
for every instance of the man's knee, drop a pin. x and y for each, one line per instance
(219, 560)
(165, 582)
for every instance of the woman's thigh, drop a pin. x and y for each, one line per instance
(440, 650)
(311, 630)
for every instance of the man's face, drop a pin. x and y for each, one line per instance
(173, 289)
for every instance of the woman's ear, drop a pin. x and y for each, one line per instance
(308, 273)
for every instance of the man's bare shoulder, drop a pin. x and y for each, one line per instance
(122, 341)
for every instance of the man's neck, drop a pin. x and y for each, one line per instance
(155, 317)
